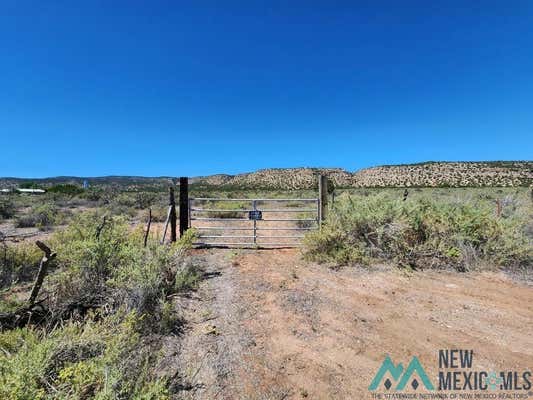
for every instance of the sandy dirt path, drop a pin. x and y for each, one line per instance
(267, 325)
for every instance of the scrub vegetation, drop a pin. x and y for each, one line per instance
(108, 304)
(104, 310)
(431, 228)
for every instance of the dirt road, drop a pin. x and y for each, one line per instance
(267, 325)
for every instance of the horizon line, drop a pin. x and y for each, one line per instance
(260, 169)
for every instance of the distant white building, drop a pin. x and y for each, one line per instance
(31, 191)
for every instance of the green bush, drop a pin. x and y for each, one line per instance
(7, 207)
(93, 194)
(422, 232)
(188, 278)
(108, 349)
(18, 263)
(137, 200)
(107, 260)
(236, 209)
(66, 189)
(92, 360)
(305, 219)
(43, 217)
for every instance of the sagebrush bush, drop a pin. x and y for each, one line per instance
(65, 189)
(7, 207)
(108, 300)
(159, 214)
(100, 256)
(236, 209)
(18, 263)
(418, 233)
(133, 200)
(42, 216)
(101, 359)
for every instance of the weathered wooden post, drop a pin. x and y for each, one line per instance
(166, 225)
(148, 227)
(43, 266)
(172, 214)
(184, 205)
(322, 197)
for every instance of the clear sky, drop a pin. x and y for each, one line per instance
(189, 88)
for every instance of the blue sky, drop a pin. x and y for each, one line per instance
(191, 88)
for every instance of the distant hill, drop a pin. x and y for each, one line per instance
(455, 174)
(123, 182)
(428, 174)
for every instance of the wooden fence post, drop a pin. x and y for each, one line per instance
(184, 205)
(43, 266)
(166, 225)
(172, 203)
(322, 196)
(148, 227)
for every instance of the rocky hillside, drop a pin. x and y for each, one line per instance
(448, 174)
(430, 174)
(278, 178)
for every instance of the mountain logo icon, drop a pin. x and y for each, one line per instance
(400, 376)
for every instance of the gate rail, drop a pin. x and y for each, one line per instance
(253, 222)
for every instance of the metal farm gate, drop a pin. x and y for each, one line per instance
(252, 222)
(244, 222)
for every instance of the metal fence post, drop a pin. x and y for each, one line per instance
(184, 205)
(254, 208)
(189, 205)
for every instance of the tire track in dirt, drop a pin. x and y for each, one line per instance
(267, 325)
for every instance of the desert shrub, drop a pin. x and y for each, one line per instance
(7, 207)
(104, 360)
(42, 216)
(121, 210)
(159, 214)
(66, 190)
(18, 263)
(74, 202)
(30, 185)
(125, 199)
(129, 203)
(93, 194)
(188, 277)
(304, 218)
(103, 261)
(236, 209)
(120, 292)
(144, 200)
(137, 200)
(419, 233)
